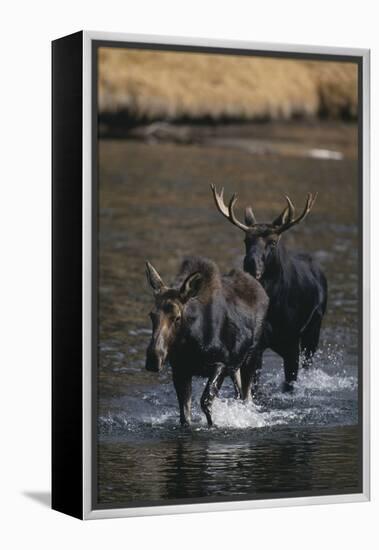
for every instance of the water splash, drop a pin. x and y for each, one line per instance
(318, 380)
(319, 398)
(229, 413)
(323, 395)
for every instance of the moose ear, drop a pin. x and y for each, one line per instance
(154, 279)
(191, 286)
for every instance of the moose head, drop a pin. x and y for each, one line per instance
(261, 239)
(167, 315)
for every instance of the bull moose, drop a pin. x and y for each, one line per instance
(206, 325)
(295, 284)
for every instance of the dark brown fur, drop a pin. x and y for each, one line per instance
(206, 325)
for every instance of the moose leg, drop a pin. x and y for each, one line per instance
(211, 391)
(250, 372)
(220, 380)
(309, 340)
(257, 368)
(237, 383)
(183, 387)
(291, 367)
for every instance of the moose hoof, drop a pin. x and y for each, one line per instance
(287, 387)
(209, 420)
(185, 424)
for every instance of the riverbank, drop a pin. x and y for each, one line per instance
(147, 85)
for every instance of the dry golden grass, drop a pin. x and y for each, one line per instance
(172, 85)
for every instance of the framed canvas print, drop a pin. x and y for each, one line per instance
(210, 275)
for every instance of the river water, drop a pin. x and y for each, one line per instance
(155, 203)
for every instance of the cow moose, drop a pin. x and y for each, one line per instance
(206, 325)
(295, 284)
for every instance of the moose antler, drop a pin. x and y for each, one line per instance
(285, 221)
(227, 211)
(311, 199)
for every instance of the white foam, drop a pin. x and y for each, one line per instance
(317, 379)
(230, 413)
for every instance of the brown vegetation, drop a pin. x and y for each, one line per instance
(156, 85)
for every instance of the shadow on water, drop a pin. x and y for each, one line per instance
(155, 204)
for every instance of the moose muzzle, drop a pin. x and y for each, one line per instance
(155, 356)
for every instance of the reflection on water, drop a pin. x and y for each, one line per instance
(233, 463)
(155, 203)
